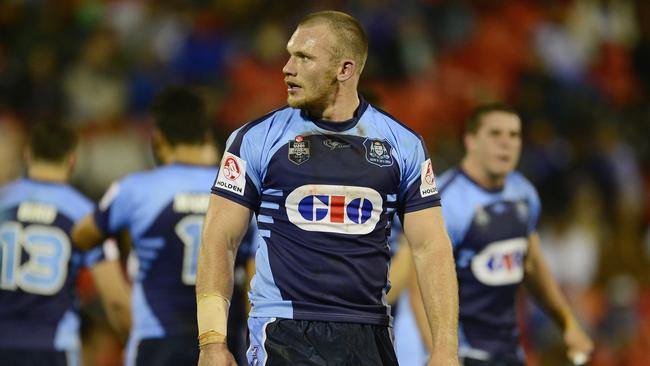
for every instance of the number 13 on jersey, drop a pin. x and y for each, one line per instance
(48, 252)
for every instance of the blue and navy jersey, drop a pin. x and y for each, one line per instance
(39, 265)
(163, 210)
(325, 194)
(489, 230)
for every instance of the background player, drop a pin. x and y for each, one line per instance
(163, 210)
(325, 177)
(39, 318)
(491, 213)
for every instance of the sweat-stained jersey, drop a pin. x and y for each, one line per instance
(325, 194)
(39, 265)
(163, 210)
(489, 230)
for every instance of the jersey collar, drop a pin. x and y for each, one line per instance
(339, 126)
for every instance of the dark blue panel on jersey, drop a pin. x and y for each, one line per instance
(172, 301)
(490, 264)
(329, 273)
(38, 265)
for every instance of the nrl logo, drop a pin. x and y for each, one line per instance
(299, 151)
(335, 144)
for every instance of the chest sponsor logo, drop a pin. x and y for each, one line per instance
(378, 152)
(501, 263)
(299, 151)
(427, 179)
(232, 174)
(334, 209)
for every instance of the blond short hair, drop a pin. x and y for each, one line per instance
(351, 39)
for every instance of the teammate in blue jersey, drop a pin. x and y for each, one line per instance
(39, 320)
(325, 177)
(491, 212)
(163, 211)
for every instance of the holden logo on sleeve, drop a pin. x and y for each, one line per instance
(334, 209)
(232, 174)
(378, 152)
(428, 179)
(230, 169)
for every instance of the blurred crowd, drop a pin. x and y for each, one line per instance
(577, 70)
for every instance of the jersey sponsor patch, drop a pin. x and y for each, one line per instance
(501, 263)
(334, 209)
(378, 152)
(427, 179)
(232, 174)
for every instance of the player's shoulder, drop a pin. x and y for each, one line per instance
(517, 181)
(75, 203)
(10, 193)
(11, 186)
(266, 122)
(382, 118)
(448, 179)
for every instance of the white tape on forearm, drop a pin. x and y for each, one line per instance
(212, 313)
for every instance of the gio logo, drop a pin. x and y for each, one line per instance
(334, 209)
(501, 263)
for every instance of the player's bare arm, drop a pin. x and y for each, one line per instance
(114, 291)
(541, 284)
(86, 234)
(225, 224)
(431, 249)
(401, 269)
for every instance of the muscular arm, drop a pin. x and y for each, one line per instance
(419, 313)
(436, 276)
(86, 234)
(224, 227)
(540, 283)
(113, 290)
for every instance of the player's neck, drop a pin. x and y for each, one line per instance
(48, 172)
(192, 154)
(342, 108)
(478, 174)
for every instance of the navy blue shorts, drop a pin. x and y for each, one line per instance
(281, 342)
(168, 351)
(472, 362)
(12, 357)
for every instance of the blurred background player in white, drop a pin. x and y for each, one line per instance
(491, 212)
(39, 319)
(163, 211)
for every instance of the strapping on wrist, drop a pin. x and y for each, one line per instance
(212, 318)
(211, 337)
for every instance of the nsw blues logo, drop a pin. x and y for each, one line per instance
(378, 152)
(501, 263)
(299, 151)
(334, 209)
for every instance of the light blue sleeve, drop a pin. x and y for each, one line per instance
(115, 208)
(535, 208)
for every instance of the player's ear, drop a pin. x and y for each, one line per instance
(347, 69)
(470, 141)
(70, 162)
